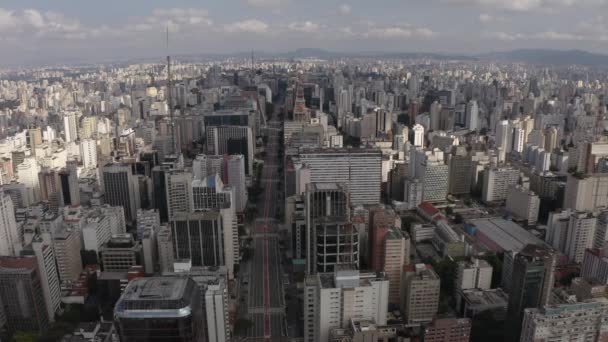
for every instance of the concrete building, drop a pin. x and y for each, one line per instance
(10, 241)
(121, 188)
(229, 140)
(473, 302)
(199, 237)
(88, 153)
(418, 135)
(460, 166)
(531, 286)
(164, 241)
(332, 300)
(178, 186)
(359, 169)
(66, 243)
(121, 253)
(70, 126)
(476, 274)
(413, 193)
(586, 192)
(49, 279)
(234, 175)
(22, 294)
(523, 203)
(97, 231)
(430, 168)
(580, 235)
(448, 330)
(419, 294)
(582, 321)
(396, 255)
(366, 330)
(595, 265)
(497, 181)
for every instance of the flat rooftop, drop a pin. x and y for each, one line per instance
(508, 235)
(154, 289)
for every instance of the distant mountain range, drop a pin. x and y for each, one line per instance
(529, 56)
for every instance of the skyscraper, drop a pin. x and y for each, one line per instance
(430, 168)
(70, 126)
(472, 120)
(121, 189)
(461, 168)
(88, 153)
(497, 182)
(531, 285)
(178, 184)
(199, 237)
(10, 242)
(160, 308)
(418, 135)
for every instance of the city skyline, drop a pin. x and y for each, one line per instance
(65, 32)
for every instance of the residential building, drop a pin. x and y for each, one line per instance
(474, 274)
(448, 330)
(121, 253)
(10, 241)
(419, 294)
(497, 181)
(523, 203)
(121, 189)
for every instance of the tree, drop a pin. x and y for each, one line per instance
(25, 336)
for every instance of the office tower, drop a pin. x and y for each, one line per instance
(160, 308)
(587, 192)
(413, 192)
(359, 169)
(430, 168)
(199, 237)
(10, 241)
(164, 241)
(419, 293)
(50, 188)
(22, 295)
(448, 330)
(70, 126)
(503, 135)
(97, 231)
(524, 204)
(66, 243)
(149, 249)
(300, 112)
(476, 274)
(88, 153)
(595, 265)
(47, 270)
(121, 253)
(531, 286)
(337, 244)
(396, 255)
(70, 190)
(178, 185)
(28, 175)
(418, 135)
(323, 201)
(159, 191)
(581, 321)
(381, 220)
(551, 142)
(89, 127)
(211, 194)
(435, 114)
(34, 137)
(580, 234)
(234, 175)
(519, 138)
(333, 299)
(228, 140)
(460, 168)
(601, 230)
(472, 120)
(121, 188)
(497, 181)
(147, 219)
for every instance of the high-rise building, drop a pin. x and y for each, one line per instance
(419, 293)
(430, 168)
(523, 203)
(10, 241)
(234, 175)
(178, 185)
(199, 237)
(70, 190)
(28, 175)
(381, 220)
(412, 192)
(418, 135)
(460, 167)
(448, 330)
(580, 234)
(88, 153)
(396, 255)
(531, 286)
(497, 181)
(331, 300)
(581, 321)
(47, 269)
(551, 142)
(164, 241)
(70, 126)
(476, 274)
(229, 140)
(595, 266)
(121, 253)
(22, 295)
(587, 192)
(359, 169)
(121, 189)
(326, 201)
(472, 120)
(66, 243)
(160, 308)
(503, 135)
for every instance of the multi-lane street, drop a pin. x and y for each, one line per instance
(265, 302)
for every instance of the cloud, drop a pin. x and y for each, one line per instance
(307, 26)
(266, 3)
(545, 35)
(486, 18)
(530, 5)
(247, 26)
(398, 32)
(344, 9)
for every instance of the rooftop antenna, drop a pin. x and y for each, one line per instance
(252, 66)
(170, 95)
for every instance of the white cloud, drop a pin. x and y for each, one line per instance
(8, 20)
(307, 26)
(398, 32)
(545, 35)
(486, 18)
(531, 5)
(344, 9)
(266, 3)
(247, 26)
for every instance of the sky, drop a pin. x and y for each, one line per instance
(64, 31)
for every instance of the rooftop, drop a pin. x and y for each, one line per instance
(508, 235)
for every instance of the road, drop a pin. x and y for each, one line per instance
(266, 307)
